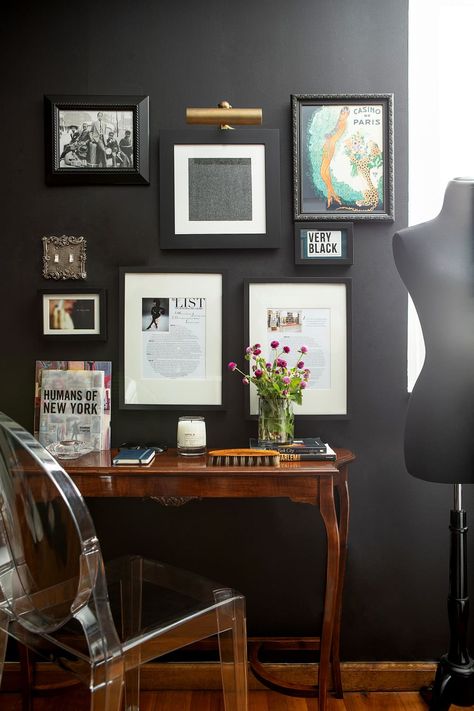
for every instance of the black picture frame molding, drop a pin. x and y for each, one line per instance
(270, 139)
(57, 174)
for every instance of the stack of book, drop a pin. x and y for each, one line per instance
(306, 448)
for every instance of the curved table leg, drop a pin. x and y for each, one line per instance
(344, 508)
(328, 513)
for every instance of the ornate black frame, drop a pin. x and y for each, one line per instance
(303, 100)
(138, 174)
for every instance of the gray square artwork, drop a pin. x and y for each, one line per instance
(220, 189)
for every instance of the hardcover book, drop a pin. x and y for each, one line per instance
(143, 455)
(308, 445)
(72, 402)
(329, 455)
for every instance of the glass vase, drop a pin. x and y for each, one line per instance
(276, 421)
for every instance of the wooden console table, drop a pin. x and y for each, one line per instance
(174, 480)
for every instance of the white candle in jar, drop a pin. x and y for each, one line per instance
(191, 435)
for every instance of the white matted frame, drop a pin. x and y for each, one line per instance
(73, 315)
(152, 356)
(219, 189)
(327, 302)
(253, 220)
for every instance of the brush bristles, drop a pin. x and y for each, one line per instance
(244, 458)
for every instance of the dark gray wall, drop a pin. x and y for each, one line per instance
(253, 53)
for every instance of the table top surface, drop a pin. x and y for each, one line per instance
(169, 463)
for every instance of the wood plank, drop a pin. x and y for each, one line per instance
(78, 700)
(356, 676)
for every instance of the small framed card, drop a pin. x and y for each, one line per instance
(73, 315)
(324, 243)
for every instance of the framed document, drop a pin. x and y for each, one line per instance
(171, 356)
(312, 312)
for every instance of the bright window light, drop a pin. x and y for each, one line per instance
(441, 111)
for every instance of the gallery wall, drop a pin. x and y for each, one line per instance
(254, 54)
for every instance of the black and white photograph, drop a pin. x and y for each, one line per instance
(155, 314)
(96, 140)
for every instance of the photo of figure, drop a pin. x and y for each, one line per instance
(95, 139)
(155, 314)
(284, 321)
(72, 314)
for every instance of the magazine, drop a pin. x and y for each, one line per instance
(72, 403)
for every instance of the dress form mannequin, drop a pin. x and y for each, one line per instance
(436, 262)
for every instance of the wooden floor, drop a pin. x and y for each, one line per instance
(212, 701)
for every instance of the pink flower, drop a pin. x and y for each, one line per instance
(275, 377)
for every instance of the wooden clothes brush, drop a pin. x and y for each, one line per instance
(244, 458)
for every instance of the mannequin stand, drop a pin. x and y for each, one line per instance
(454, 681)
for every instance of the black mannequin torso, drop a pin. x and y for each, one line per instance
(436, 262)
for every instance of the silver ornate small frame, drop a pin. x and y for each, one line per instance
(64, 257)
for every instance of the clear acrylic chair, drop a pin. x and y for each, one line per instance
(100, 623)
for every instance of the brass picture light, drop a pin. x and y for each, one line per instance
(224, 115)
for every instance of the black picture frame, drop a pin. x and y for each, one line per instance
(139, 387)
(125, 164)
(255, 156)
(324, 243)
(84, 318)
(343, 157)
(335, 401)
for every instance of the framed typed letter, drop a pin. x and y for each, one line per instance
(315, 313)
(323, 243)
(171, 355)
(219, 189)
(343, 156)
(96, 139)
(73, 315)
